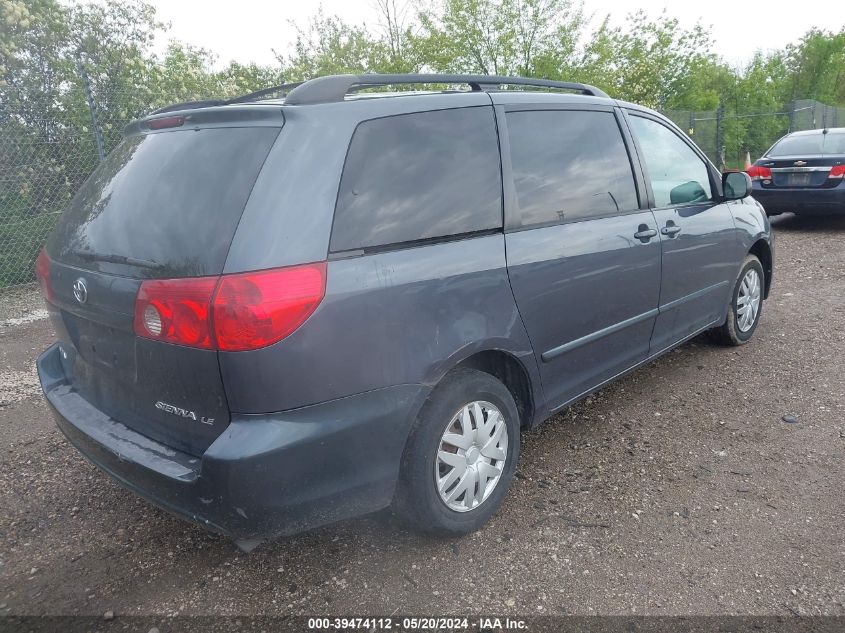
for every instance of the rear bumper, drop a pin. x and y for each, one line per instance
(265, 475)
(825, 201)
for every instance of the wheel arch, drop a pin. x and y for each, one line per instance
(511, 372)
(763, 251)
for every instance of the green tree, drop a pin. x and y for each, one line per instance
(112, 42)
(816, 65)
(328, 45)
(501, 37)
(34, 68)
(760, 92)
(648, 61)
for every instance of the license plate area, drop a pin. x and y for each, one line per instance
(798, 180)
(101, 347)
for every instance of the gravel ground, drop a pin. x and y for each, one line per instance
(677, 490)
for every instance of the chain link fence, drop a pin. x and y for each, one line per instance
(45, 158)
(727, 138)
(41, 166)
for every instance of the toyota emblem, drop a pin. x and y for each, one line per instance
(80, 290)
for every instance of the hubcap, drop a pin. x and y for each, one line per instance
(471, 456)
(748, 301)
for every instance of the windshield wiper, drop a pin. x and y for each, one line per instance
(117, 259)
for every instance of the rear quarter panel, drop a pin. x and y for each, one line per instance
(401, 317)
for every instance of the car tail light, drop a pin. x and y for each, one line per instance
(42, 272)
(838, 171)
(176, 311)
(254, 310)
(166, 122)
(236, 312)
(759, 173)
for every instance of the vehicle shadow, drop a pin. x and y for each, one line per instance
(804, 223)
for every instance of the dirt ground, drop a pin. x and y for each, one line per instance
(677, 490)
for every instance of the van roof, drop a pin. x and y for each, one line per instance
(333, 88)
(336, 88)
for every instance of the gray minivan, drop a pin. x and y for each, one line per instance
(274, 313)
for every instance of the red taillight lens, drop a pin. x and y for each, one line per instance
(759, 173)
(232, 312)
(166, 122)
(838, 171)
(42, 272)
(254, 310)
(176, 311)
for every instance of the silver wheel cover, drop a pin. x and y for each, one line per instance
(471, 456)
(748, 300)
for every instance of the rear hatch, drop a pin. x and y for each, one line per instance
(164, 204)
(805, 160)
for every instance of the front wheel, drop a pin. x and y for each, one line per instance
(461, 455)
(746, 305)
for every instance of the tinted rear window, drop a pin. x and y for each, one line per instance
(169, 202)
(809, 144)
(419, 176)
(569, 165)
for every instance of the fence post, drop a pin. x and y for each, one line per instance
(791, 116)
(92, 108)
(720, 135)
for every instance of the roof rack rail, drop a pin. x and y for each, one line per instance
(282, 89)
(210, 103)
(332, 88)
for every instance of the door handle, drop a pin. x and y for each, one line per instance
(671, 229)
(644, 233)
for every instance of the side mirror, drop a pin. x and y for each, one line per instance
(687, 193)
(736, 185)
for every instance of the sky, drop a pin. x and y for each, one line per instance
(248, 30)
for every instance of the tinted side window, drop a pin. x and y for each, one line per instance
(677, 174)
(418, 176)
(568, 165)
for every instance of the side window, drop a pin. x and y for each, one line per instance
(677, 174)
(569, 165)
(418, 176)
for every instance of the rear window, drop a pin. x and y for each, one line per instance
(419, 176)
(569, 165)
(809, 144)
(164, 204)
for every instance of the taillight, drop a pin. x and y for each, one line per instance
(166, 122)
(237, 312)
(838, 171)
(758, 172)
(42, 272)
(176, 311)
(254, 310)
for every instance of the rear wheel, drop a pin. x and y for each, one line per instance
(461, 455)
(746, 305)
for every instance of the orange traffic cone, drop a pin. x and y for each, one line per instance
(747, 161)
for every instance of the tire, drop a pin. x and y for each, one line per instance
(735, 330)
(418, 500)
